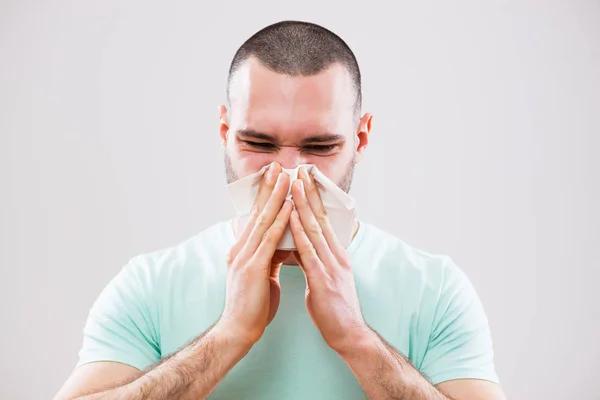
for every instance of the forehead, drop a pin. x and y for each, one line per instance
(264, 100)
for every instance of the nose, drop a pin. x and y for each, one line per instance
(290, 157)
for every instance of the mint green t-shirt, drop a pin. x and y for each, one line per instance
(421, 303)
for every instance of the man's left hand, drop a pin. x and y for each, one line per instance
(331, 298)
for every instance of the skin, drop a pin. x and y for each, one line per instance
(270, 120)
(251, 301)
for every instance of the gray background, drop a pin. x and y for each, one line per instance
(484, 147)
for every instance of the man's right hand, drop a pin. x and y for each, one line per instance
(252, 291)
(251, 302)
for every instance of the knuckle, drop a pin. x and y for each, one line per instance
(268, 236)
(331, 283)
(273, 234)
(315, 228)
(244, 270)
(323, 212)
(254, 212)
(242, 265)
(262, 220)
(237, 265)
(322, 218)
(307, 248)
(230, 257)
(345, 261)
(300, 227)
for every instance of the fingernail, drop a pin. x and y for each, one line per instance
(280, 177)
(306, 176)
(309, 181)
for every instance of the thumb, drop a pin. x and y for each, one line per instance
(274, 272)
(278, 258)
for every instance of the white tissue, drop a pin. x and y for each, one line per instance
(339, 205)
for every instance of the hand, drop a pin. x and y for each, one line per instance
(331, 297)
(253, 290)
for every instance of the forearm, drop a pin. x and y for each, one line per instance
(191, 373)
(384, 373)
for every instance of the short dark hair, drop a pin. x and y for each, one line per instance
(298, 48)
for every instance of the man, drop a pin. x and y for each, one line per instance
(227, 315)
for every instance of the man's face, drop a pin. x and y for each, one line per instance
(293, 121)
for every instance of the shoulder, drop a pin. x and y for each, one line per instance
(429, 286)
(425, 293)
(195, 254)
(423, 284)
(397, 257)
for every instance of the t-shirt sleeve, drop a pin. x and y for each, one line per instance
(460, 344)
(121, 325)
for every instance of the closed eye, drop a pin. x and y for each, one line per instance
(320, 148)
(260, 145)
(315, 149)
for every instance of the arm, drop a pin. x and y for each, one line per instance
(459, 346)
(384, 373)
(191, 373)
(121, 328)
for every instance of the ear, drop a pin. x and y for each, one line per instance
(362, 134)
(223, 124)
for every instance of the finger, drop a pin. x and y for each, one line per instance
(267, 185)
(265, 251)
(266, 218)
(310, 225)
(297, 256)
(309, 259)
(320, 212)
(279, 256)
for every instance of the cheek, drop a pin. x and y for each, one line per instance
(334, 167)
(248, 162)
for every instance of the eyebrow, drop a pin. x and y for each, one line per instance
(324, 138)
(319, 138)
(251, 134)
